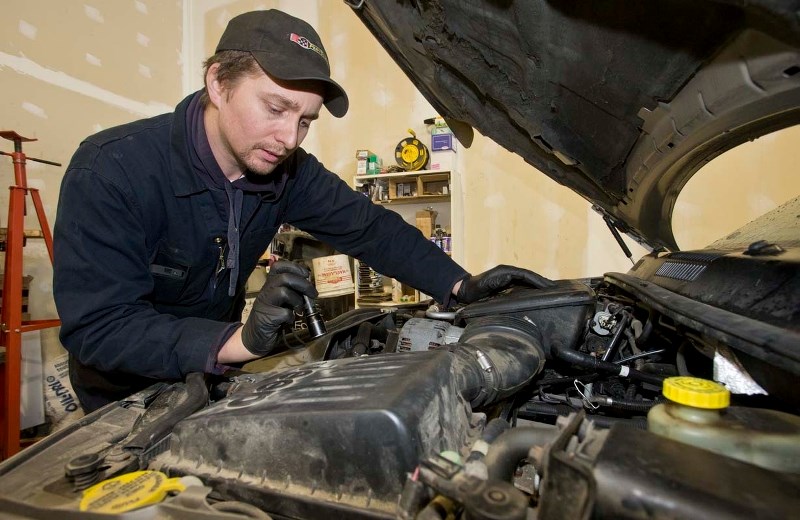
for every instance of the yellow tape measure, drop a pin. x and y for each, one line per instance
(129, 491)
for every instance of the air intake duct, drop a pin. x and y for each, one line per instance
(496, 357)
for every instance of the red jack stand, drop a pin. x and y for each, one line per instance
(11, 324)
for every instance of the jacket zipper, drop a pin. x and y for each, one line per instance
(220, 243)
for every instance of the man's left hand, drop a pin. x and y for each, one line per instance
(474, 288)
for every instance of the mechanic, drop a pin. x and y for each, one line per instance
(161, 221)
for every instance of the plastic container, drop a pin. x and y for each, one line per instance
(697, 413)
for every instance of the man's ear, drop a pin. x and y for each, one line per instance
(214, 87)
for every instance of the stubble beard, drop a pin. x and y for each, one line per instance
(250, 163)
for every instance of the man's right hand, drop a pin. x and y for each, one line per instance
(283, 292)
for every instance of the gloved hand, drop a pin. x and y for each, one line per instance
(283, 291)
(473, 288)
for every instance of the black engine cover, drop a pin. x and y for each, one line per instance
(345, 430)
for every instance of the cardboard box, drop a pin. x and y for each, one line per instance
(426, 221)
(363, 159)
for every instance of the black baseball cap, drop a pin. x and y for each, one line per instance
(287, 48)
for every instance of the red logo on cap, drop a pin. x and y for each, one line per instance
(303, 42)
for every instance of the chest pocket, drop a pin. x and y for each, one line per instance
(177, 277)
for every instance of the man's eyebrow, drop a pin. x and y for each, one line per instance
(289, 104)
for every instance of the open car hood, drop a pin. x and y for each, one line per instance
(621, 101)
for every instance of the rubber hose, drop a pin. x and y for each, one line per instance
(586, 361)
(631, 405)
(361, 342)
(648, 328)
(494, 429)
(616, 340)
(511, 447)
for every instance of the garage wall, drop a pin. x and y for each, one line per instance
(71, 68)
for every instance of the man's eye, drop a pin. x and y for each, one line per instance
(305, 124)
(274, 110)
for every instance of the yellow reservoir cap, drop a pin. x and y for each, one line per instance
(129, 491)
(693, 391)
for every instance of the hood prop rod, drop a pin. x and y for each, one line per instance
(618, 238)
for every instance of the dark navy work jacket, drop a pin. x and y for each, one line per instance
(137, 244)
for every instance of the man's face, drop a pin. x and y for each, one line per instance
(260, 121)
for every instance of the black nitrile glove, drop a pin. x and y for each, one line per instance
(473, 288)
(283, 291)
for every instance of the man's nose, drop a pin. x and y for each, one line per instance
(287, 134)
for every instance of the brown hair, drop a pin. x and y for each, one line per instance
(232, 66)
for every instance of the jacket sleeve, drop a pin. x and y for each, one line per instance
(322, 204)
(101, 281)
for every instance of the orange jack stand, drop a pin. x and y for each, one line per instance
(11, 324)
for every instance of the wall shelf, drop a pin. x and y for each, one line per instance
(405, 193)
(419, 173)
(420, 187)
(422, 199)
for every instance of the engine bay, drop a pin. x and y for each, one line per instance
(532, 402)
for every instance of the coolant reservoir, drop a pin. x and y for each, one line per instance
(697, 413)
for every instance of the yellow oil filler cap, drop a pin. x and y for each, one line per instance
(693, 391)
(129, 491)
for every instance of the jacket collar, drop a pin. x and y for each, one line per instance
(185, 180)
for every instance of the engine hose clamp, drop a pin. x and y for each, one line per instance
(483, 361)
(488, 392)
